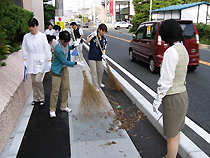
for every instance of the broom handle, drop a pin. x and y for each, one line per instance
(99, 45)
(74, 39)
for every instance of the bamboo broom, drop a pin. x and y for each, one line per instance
(112, 81)
(91, 101)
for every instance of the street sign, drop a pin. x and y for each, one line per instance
(60, 20)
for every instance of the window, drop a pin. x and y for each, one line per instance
(140, 32)
(151, 30)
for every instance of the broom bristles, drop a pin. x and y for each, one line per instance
(91, 102)
(112, 81)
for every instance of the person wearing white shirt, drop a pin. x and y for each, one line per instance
(50, 30)
(57, 29)
(36, 59)
(172, 90)
(78, 33)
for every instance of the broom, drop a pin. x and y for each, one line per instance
(112, 81)
(91, 101)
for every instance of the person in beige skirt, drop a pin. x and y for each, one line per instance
(172, 90)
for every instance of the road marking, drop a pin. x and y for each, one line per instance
(118, 38)
(204, 62)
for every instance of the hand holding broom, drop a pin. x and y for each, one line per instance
(113, 82)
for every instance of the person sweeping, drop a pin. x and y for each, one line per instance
(95, 55)
(60, 73)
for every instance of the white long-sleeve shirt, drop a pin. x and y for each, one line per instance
(35, 49)
(167, 72)
(49, 32)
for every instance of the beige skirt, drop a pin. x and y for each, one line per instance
(174, 111)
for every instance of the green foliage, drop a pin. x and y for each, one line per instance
(80, 16)
(49, 13)
(13, 25)
(15, 22)
(204, 33)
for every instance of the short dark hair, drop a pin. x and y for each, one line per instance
(103, 27)
(33, 22)
(65, 35)
(73, 23)
(57, 27)
(170, 31)
(49, 38)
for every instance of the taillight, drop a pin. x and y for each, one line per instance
(159, 40)
(196, 34)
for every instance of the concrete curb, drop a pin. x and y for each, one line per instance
(204, 46)
(187, 149)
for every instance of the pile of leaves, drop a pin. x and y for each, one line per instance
(122, 120)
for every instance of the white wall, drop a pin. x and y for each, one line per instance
(36, 6)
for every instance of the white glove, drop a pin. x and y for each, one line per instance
(81, 64)
(24, 64)
(93, 33)
(104, 57)
(76, 43)
(156, 104)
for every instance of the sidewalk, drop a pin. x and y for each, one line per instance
(66, 135)
(89, 138)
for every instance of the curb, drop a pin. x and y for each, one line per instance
(204, 46)
(187, 149)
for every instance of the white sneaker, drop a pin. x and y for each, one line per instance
(52, 114)
(66, 109)
(102, 85)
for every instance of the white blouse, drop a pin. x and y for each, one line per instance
(35, 49)
(167, 72)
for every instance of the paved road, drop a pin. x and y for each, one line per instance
(197, 82)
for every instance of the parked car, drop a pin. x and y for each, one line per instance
(148, 46)
(78, 23)
(122, 24)
(85, 25)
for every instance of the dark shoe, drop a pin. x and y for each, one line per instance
(41, 102)
(34, 102)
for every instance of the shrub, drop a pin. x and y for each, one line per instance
(15, 21)
(13, 26)
(204, 33)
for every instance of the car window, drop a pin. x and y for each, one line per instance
(140, 32)
(154, 32)
(188, 30)
(151, 30)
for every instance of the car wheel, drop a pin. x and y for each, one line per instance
(118, 27)
(152, 66)
(131, 55)
(192, 67)
(129, 26)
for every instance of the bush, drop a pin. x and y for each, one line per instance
(204, 33)
(15, 21)
(13, 26)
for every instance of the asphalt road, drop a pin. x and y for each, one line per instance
(197, 82)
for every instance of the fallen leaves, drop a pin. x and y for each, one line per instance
(108, 143)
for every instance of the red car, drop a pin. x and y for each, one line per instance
(148, 46)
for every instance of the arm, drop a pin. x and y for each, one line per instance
(24, 49)
(89, 39)
(81, 33)
(61, 56)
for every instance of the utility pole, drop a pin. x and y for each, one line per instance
(150, 10)
(105, 11)
(58, 7)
